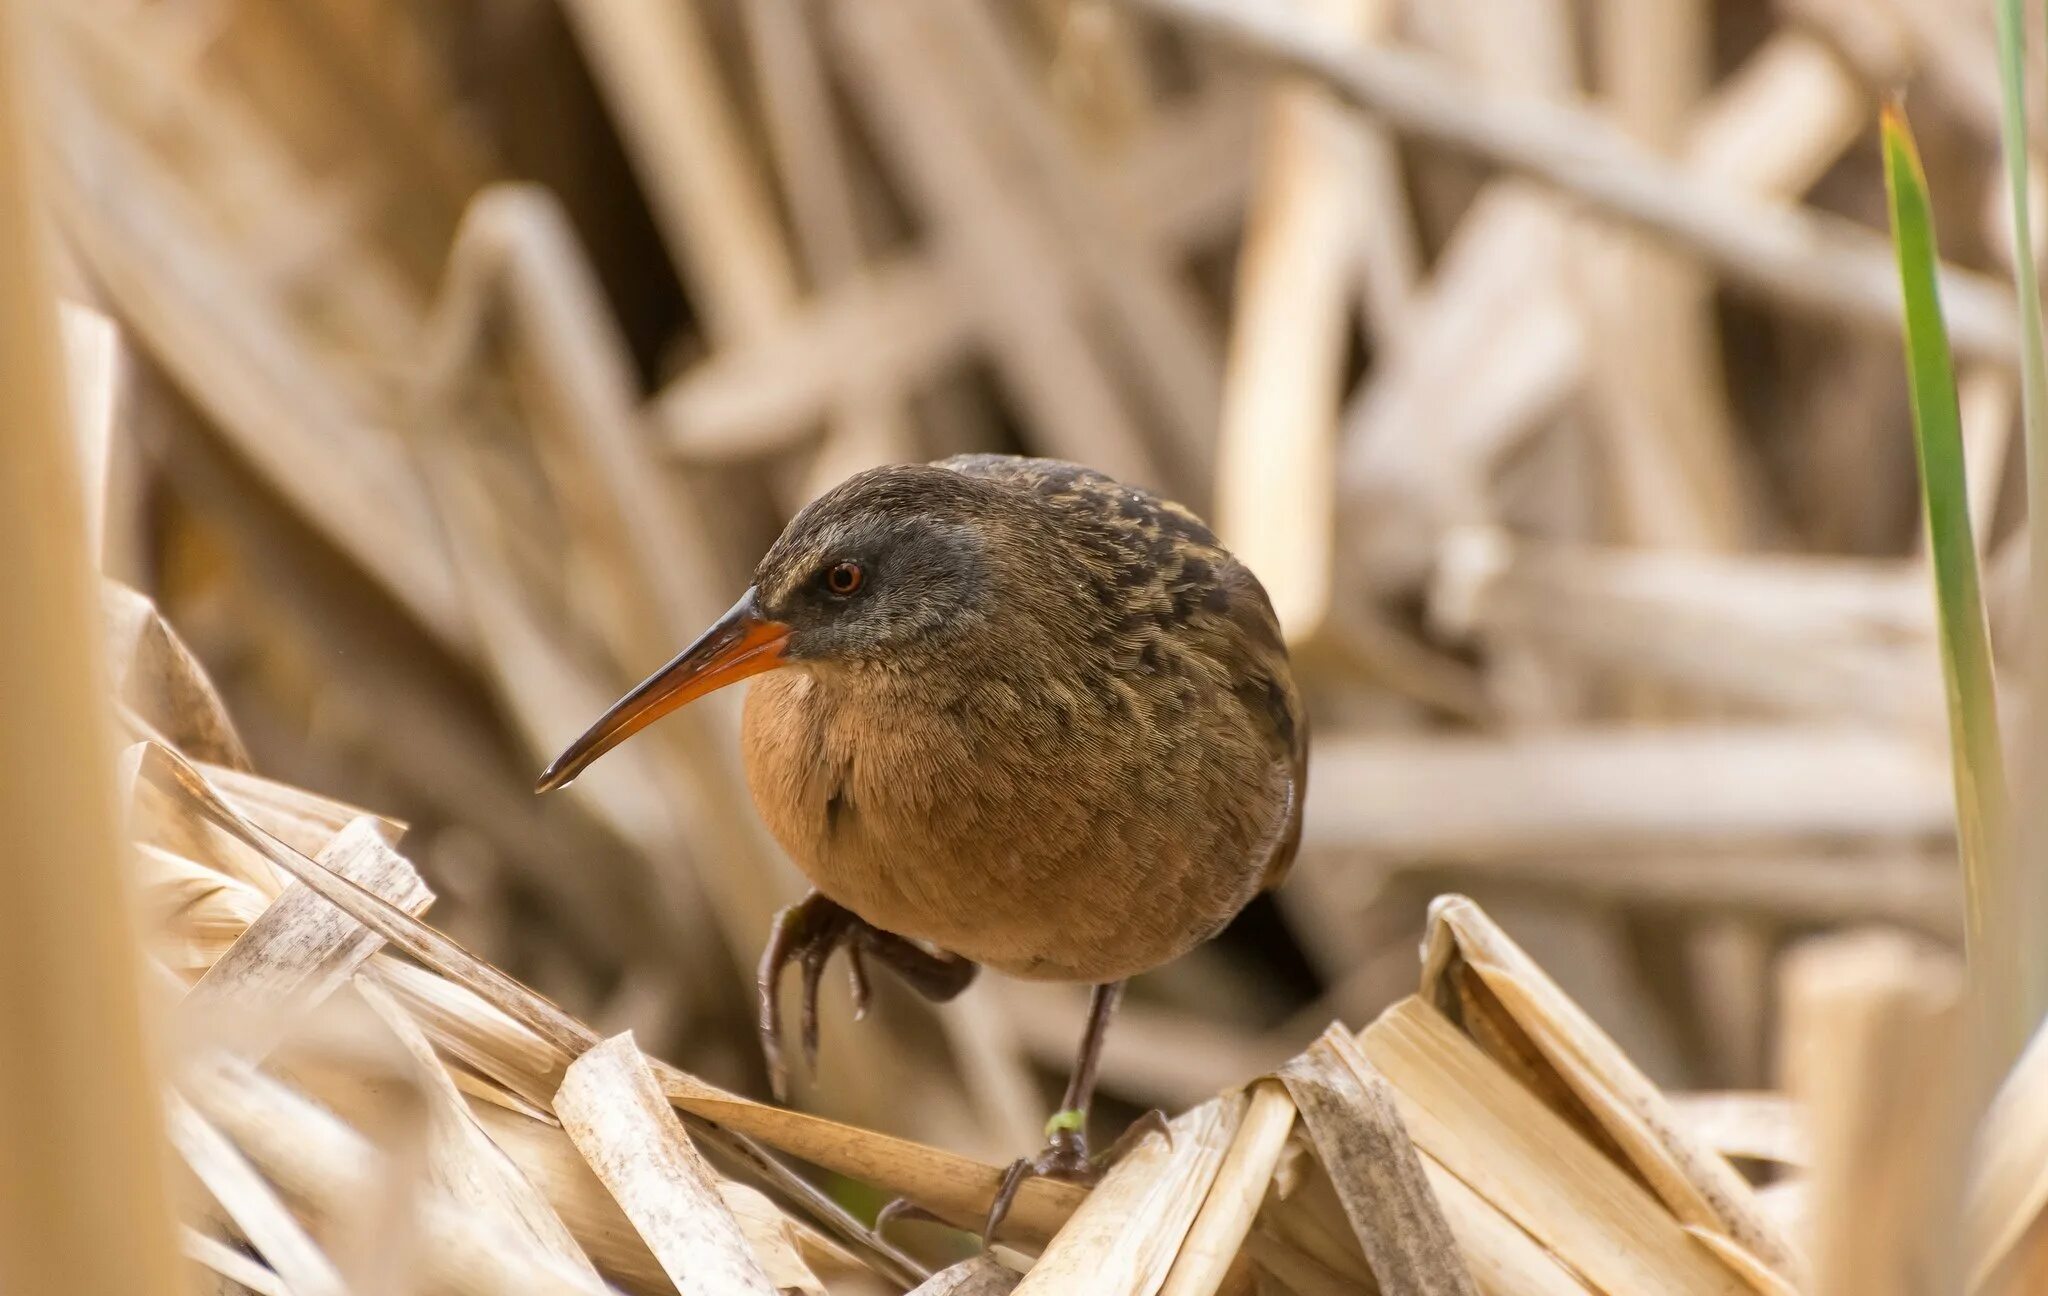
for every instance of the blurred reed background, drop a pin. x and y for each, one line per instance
(469, 353)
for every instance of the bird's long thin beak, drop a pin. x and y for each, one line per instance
(741, 643)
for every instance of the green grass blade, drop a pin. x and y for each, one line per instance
(1983, 822)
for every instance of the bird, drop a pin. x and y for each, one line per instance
(1006, 712)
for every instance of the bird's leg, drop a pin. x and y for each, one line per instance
(807, 933)
(1065, 1155)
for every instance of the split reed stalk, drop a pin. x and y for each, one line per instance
(83, 1201)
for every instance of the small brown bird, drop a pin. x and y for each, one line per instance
(1024, 715)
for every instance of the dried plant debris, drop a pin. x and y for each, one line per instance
(1553, 396)
(1496, 1182)
(1350, 1114)
(1587, 1075)
(613, 1110)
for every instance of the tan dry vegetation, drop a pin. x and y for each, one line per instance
(442, 367)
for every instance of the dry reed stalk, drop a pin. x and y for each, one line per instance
(1153, 318)
(2005, 1228)
(1305, 1238)
(1524, 1014)
(79, 1115)
(1098, 75)
(1653, 359)
(658, 65)
(155, 674)
(1181, 183)
(1808, 638)
(515, 269)
(1214, 1240)
(872, 426)
(1289, 329)
(251, 1203)
(1957, 52)
(1123, 1238)
(237, 173)
(211, 323)
(236, 1274)
(449, 1145)
(984, 1275)
(302, 949)
(305, 821)
(793, 1257)
(1799, 257)
(1502, 1259)
(1003, 258)
(1604, 789)
(94, 369)
(793, 1254)
(461, 1157)
(332, 1172)
(1469, 1114)
(1915, 890)
(1350, 1113)
(1496, 341)
(1750, 1126)
(613, 1109)
(558, 1037)
(1874, 1038)
(395, 92)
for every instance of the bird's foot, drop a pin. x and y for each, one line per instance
(1065, 1157)
(807, 933)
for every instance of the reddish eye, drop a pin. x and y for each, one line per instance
(844, 578)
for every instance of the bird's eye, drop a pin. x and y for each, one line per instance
(844, 578)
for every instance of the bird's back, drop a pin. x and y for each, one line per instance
(1096, 786)
(1199, 589)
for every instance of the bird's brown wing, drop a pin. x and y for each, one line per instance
(1267, 690)
(1247, 632)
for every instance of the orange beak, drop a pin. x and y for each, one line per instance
(741, 643)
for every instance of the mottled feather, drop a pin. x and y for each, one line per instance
(1064, 738)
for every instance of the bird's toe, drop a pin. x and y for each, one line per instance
(1064, 1157)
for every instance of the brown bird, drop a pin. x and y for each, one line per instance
(1023, 715)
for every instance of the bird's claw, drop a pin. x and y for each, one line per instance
(1065, 1157)
(905, 1210)
(814, 958)
(805, 933)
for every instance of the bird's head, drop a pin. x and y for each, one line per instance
(882, 571)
